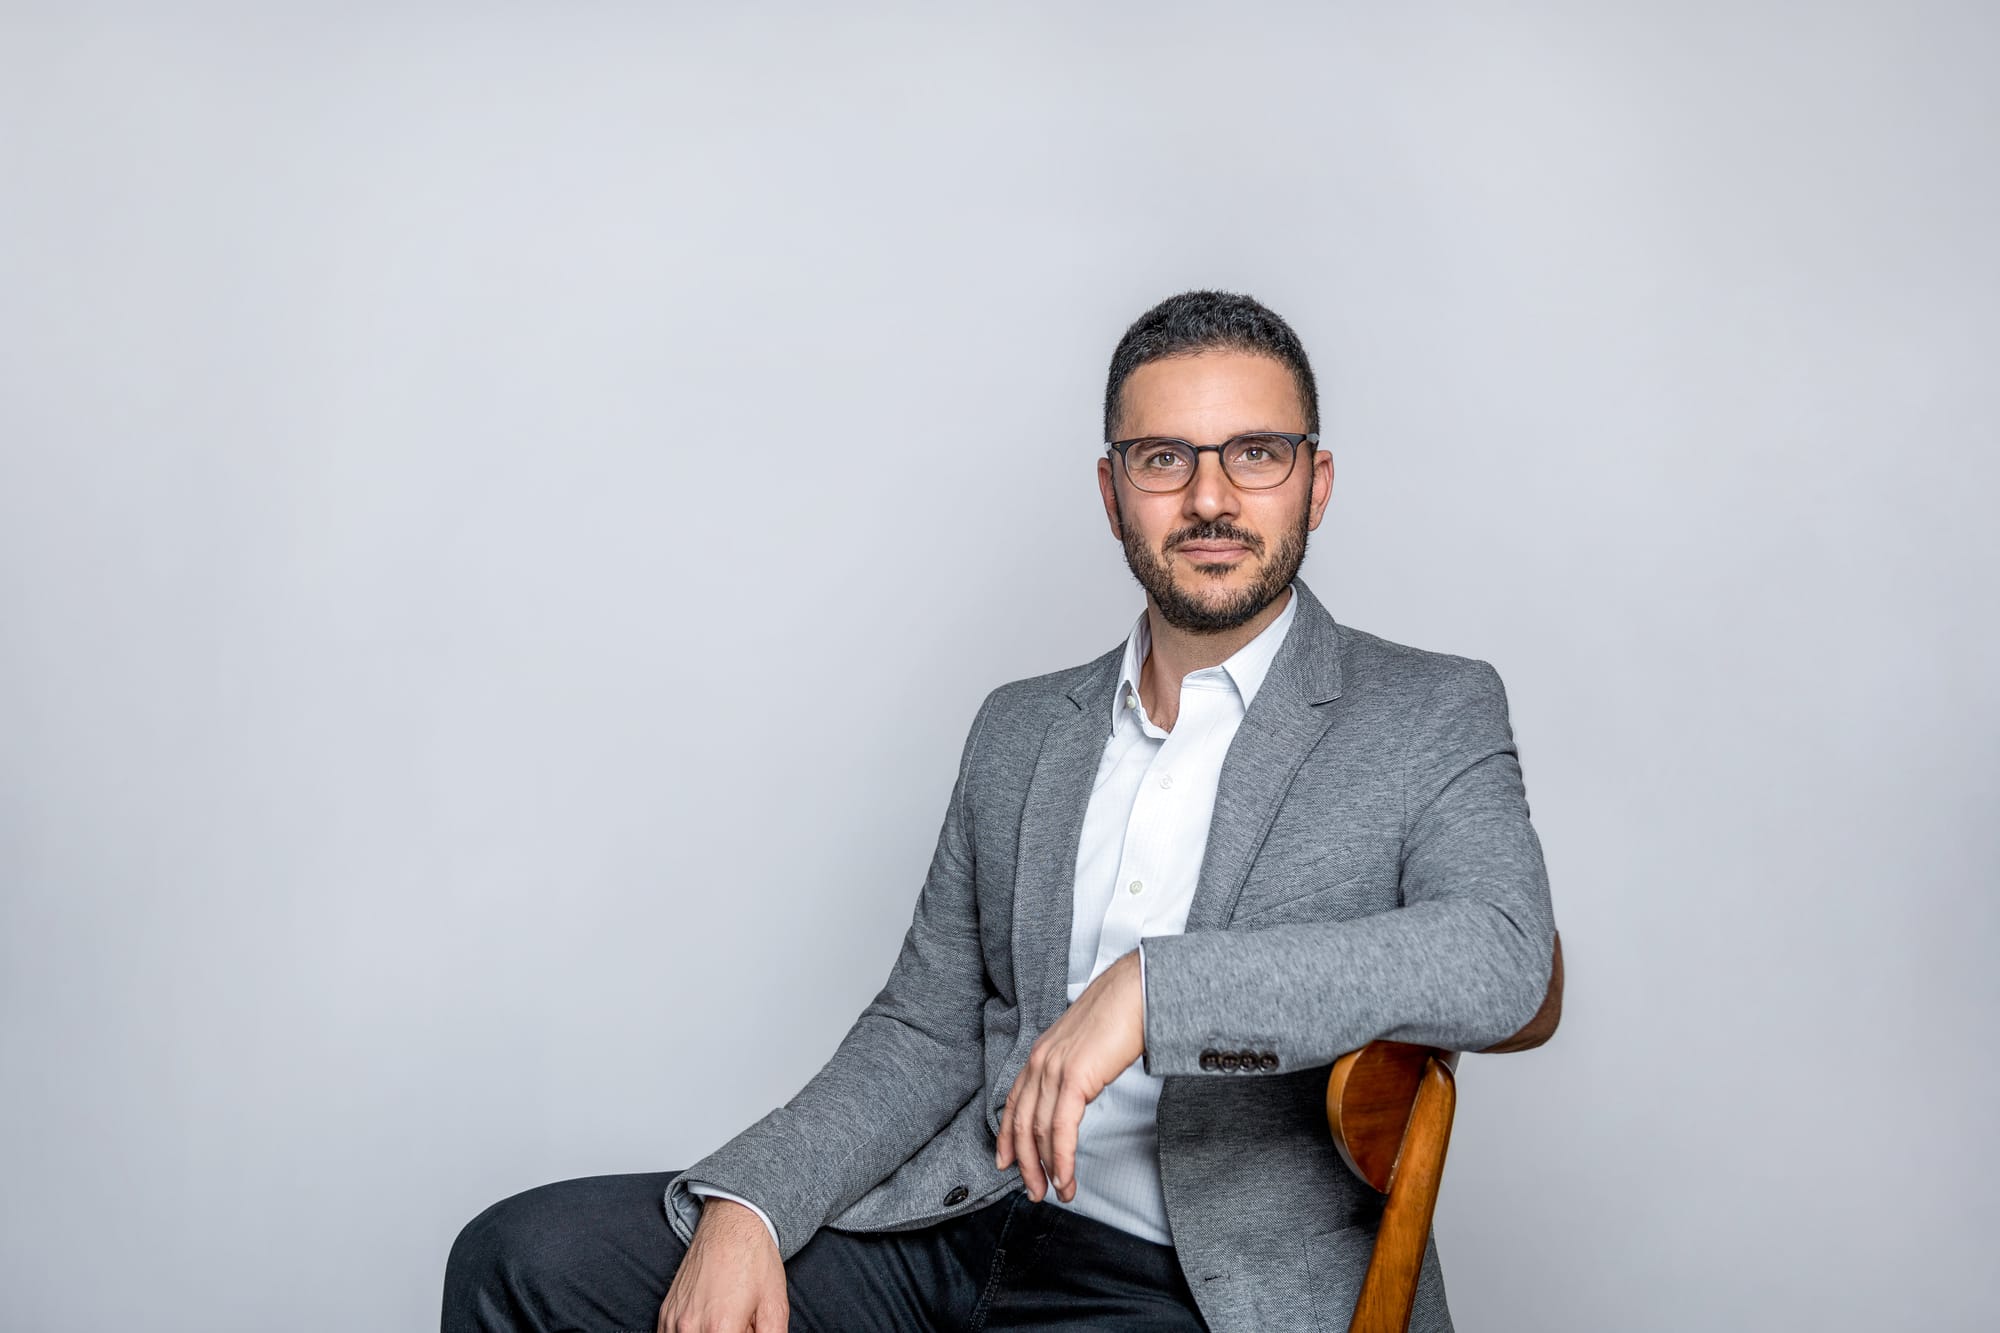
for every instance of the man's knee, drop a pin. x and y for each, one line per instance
(502, 1255)
(540, 1257)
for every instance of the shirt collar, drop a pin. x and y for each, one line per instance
(1246, 667)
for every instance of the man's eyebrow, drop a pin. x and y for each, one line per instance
(1253, 430)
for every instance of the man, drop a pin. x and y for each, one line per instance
(1172, 886)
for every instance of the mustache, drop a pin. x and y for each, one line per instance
(1215, 532)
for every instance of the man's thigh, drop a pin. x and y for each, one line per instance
(597, 1254)
(928, 1278)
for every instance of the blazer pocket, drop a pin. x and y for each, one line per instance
(1317, 904)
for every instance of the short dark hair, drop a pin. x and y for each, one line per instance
(1207, 321)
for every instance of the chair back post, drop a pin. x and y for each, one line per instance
(1407, 1164)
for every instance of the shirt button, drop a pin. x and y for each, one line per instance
(1136, 886)
(1166, 779)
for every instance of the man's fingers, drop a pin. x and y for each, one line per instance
(1068, 1115)
(1045, 1114)
(1024, 1135)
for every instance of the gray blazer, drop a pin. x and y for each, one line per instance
(1370, 872)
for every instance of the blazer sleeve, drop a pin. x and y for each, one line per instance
(1462, 964)
(905, 1067)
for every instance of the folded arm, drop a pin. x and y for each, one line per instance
(1464, 963)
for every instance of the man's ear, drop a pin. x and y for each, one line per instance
(1108, 488)
(1319, 507)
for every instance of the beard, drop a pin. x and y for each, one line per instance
(1205, 615)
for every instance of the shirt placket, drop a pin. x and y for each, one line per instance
(1145, 874)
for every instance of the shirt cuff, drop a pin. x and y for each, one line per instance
(1142, 986)
(706, 1190)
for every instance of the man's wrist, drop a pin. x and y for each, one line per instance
(709, 1194)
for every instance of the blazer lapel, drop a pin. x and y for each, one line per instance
(1051, 827)
(1279, 729)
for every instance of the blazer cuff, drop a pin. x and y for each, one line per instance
(1143, 1006)
(1185, 1033)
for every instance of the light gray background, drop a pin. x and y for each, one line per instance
(506, 514)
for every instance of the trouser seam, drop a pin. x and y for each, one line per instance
(992, 1288)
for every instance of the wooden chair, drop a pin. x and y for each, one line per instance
(1390, 1106)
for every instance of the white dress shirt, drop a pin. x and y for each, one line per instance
(1144, 835)
(1137, 863)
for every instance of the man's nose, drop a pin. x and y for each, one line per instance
(1210, 493)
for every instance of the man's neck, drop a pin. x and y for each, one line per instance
(1176, 652)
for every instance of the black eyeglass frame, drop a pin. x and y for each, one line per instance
(1297, 438)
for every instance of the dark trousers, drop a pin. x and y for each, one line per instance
(597, 1254)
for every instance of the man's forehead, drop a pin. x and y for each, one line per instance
(1209, 393)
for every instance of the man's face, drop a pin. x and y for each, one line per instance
(1212, 555)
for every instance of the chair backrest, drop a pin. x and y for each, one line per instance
(1390, 1106)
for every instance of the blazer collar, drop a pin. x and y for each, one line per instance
(1307, 663)
(1244, 669)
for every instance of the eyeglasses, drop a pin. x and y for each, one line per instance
(1255, 461)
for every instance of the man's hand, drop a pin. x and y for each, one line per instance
(731, 1279)
(1092, 1043)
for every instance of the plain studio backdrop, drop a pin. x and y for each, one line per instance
(506, 514)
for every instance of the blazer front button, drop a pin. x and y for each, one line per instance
(956, 1197)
